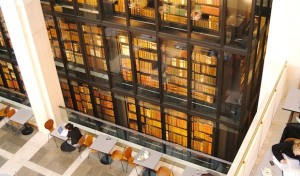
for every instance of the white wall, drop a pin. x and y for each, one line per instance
(283, 45)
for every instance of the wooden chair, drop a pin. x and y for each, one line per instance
(127, 155)
(164, 171)
(81, 143)
(88, 142)
(117, 155)
(289, 139)
(10, 113)
(3, 113)
(49, 126)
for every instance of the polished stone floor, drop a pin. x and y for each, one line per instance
(33, 155)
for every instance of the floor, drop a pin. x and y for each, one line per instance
(34, 155)
(273, 137)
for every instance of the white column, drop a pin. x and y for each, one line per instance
(28, 34)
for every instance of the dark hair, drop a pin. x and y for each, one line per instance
(69, 126)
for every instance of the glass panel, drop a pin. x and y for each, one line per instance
(95, 53)
(238, 22)
(52, 35)
(233, 87)
(82, 97)
(105, 107)
(120, 63)
(72, 48)
(142, 13)
(131, 113)
(205, 19)
(64, 6)
(202, 134)
(66, 92)
(173, 14)
(227, 150)
(176, 127)
(151, 119)
(46, 5)
(10, 76)
(145, 54)
(114, 11)
(21, 82)
(204, 79)
(88, 8)
(5, 35)
(174, 59)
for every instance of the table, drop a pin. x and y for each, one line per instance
(265, 163)
(22, 116)
(192, 171)
(55, 134)
(150, 162)
(104, 144)
(292, 102)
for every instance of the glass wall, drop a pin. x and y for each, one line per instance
(120, 63)
(204, 79)
(233, 87)
(238, 22)
(145, 54)
(174, 65)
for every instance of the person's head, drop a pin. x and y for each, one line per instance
(69, 126)
(296, 147)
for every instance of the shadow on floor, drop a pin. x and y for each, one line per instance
(12, 141)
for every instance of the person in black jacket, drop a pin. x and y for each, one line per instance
(289, 148)
(74, 134)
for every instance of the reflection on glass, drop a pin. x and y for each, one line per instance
(142, 10)
(238, 22)
(120, 63)
(151, 119)
(174, 59)
(4, 33)
(53, 38)
(173, 13)
(131, 113)
(204, 79)
(10, 76)
(95, 53)
(88, 8)
(202, 134)
(72, 48)
(105, 108)
(114, 10)
(66, 92)
(205, 15)
(145, 54)
(233, 86)
(64, 6)
(82, 96)
(176, 127)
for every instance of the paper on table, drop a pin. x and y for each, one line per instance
(292, 164)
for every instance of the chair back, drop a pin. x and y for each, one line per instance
(11, 113)
(89, 140)
(163, 171)
(289, 139)
(127, 153)
(49, 124)
(7, 109)
(81, 140)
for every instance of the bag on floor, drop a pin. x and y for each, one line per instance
(66, 147)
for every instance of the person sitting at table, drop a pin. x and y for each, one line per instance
(73, 135)
(289, 148)
(291, 130)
